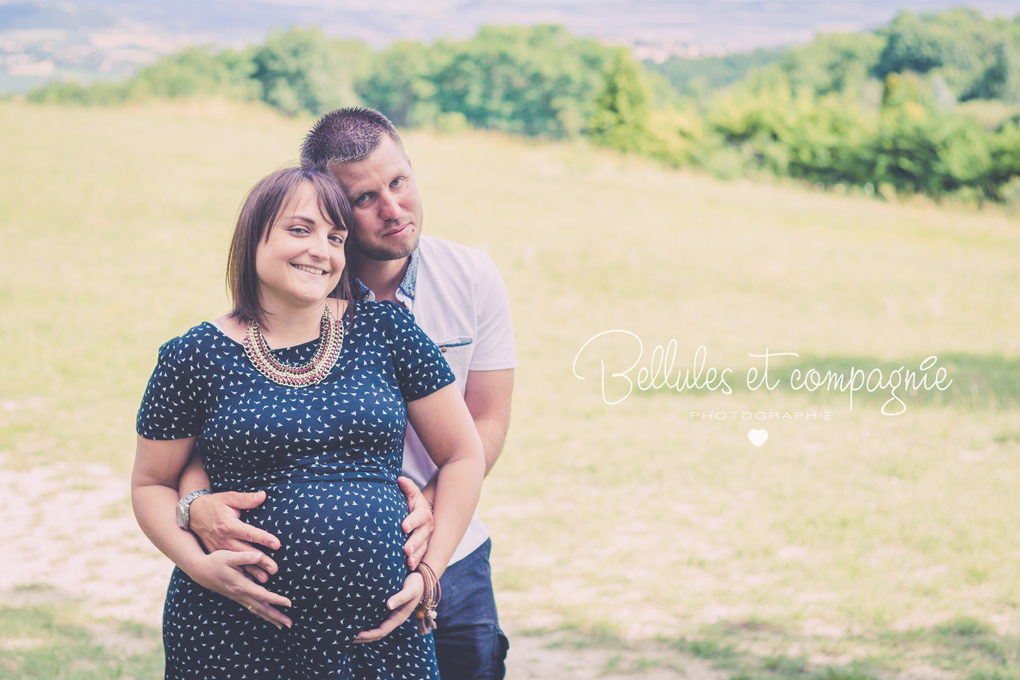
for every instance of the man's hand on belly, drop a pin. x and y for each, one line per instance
(216, 520)
(419, 522)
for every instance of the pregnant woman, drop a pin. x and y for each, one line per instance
(303, 394)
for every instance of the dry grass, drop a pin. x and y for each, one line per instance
(633, 517)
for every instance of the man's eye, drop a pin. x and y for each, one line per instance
(397, 182)
(361, 200)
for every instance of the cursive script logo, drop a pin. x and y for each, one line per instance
(660, 374)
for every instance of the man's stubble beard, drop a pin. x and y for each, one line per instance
(382, 253)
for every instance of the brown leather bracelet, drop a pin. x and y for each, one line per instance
(425, 612)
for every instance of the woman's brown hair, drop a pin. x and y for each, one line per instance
(258, 213)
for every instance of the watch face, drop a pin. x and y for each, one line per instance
(182, 518)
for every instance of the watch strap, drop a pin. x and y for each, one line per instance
(184, 508)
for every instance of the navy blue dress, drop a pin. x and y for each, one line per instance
(327, 457)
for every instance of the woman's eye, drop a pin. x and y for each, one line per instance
(298, 230)
(339, 240)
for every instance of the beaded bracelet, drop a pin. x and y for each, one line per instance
(425, 612)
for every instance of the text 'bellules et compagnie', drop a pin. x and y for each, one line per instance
(659, 374)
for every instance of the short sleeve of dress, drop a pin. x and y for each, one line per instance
(419, 365)
(170, 408)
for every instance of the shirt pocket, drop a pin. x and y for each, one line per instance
(457, 352)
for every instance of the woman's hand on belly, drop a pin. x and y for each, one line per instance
(223, 572)
(400, 605)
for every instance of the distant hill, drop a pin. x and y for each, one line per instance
(84, 40)
(692, 75)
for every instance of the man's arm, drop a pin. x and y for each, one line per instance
(193, 478)
(487, 395)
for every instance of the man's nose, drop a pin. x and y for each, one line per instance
(389, 209)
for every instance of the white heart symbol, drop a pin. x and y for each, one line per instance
(758, 437)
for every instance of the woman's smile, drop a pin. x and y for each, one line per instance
(309, 269)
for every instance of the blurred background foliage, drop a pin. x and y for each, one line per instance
(929, 103)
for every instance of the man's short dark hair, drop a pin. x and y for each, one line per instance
(344, 136)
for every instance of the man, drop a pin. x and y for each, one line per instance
(458, 298)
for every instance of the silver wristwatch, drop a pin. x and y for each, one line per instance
(184, 508)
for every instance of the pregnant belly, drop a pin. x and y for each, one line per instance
(341, 553)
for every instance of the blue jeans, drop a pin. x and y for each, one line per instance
(469, 643)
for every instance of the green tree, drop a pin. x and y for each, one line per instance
(402, 82)
(534, 81)
(302, 70)
(693, 77)
(621, 118)
(835, 62)
(75, 94)
(1001, 80)
(1004, 148)
(798, 134)
(194, 72)
(973, 54)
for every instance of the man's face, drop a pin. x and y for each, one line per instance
(385, 202)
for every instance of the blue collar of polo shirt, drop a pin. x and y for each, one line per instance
(405, 291)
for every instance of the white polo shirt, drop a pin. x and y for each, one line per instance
(458, 298)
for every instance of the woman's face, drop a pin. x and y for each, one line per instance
(301, 261)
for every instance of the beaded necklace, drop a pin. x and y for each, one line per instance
(331, 338)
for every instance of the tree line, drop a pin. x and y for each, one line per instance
(928, 103)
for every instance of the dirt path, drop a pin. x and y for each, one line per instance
(76, 534)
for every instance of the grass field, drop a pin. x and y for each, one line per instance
(864, 545)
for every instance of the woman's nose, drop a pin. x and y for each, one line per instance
(319, 248)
